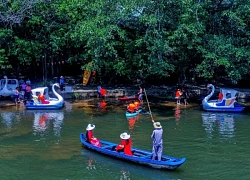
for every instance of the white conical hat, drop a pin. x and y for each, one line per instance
(125, 135)
(90, 127)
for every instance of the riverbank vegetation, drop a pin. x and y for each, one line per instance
(153, 41)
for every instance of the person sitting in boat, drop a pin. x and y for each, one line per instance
(220, 96)
(131, 108)
(42, 99)
(125, 145)
(90, 137)
(137, 105)
(228, 95)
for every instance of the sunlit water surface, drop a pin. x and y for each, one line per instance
(45, 144)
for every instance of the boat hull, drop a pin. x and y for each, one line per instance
(128, 114)
(128, 98)
(139, 156)
(43, 107)
(236, 108)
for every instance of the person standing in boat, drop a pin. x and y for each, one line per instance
(90, 138)
(157, 141)
(125, 145)
(140, 93)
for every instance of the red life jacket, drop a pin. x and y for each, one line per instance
(125, 146)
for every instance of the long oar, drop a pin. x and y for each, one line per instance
(149, 106)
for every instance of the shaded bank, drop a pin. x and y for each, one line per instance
(156, 94)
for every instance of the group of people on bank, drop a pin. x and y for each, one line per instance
(181, 94)
(23, 92)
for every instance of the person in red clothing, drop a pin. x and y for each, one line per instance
(125, 145)
(42, 99)
(131, 108)
(90, 137)
(178, 96)
(220, 96)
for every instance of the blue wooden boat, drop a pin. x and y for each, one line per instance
(139, 156)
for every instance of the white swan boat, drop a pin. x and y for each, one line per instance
(51, 103)
(7, 86)
(227, 103)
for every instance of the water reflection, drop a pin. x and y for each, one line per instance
(223, 122)
(125, 170)
(9, 118)
(43, 120)
(177, 114)
(132, 121)
(91, 165)
(102, 106)
(125, 174)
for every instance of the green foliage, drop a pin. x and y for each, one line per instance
(132, 39)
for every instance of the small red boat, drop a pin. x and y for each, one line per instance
(128, 98)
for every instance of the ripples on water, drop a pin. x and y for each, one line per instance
(46, 145)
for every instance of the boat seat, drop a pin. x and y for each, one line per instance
(35, 99)
(147, 156)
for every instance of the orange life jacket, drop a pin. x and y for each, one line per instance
(131, 107)
(137, 104)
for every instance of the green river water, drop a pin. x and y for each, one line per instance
(45, 144)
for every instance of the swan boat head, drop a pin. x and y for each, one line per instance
(210, 94)
(7, 90)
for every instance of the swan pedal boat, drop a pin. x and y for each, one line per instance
(52, 103)
(139, 156)
(7, 86)
(226, 104)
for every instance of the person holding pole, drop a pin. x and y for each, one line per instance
(156, 135)
(157, 141)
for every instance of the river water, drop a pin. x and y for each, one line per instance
(45, 144)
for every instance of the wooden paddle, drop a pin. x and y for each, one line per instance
(149, 106)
